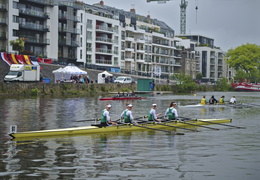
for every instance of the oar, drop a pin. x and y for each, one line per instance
(168, 120)
(158, 129)
(198, 125)
(222, 124)
(87, 120)
(135, 118)
(172, 126)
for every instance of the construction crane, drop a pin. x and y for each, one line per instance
(183, 7)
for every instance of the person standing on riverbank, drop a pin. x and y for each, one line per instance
(171, 112)
(105, 117)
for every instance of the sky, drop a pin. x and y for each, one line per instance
(230, 23)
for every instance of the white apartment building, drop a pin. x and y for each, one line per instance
(103, 37)
(209, 59)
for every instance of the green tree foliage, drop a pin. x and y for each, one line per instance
(245, 58)
(18, 44)
(184, 83)
(199, 76)
(222, 85)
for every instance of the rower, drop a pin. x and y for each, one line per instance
(233, 100)
(203, 100)
(171, 112)
(152, 116)
(127, 114)
(221, 100)
(105, 117)
(212, 100)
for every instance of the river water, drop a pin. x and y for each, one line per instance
(229, 153)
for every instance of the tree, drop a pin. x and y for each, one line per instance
(184, 83)
(18, 44)
(199, 76)
(245, 58)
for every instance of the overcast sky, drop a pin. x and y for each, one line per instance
(230, 23)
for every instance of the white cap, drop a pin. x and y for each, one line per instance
(108, 105)
(174, 103)
(129, 105)
(154, 104)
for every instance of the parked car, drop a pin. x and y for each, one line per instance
(123, 79)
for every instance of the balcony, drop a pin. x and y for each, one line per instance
(103, 61)
(103, 51)
(63, 42)
(129, 49)
(3, 36)
(3, 21)
(70, 4)
(104, 39)
(140, 60)
(67, 17)
(129, 39)
(34, 40)
(30, 12)
(140, 51)
(33, 26)
(140, 41)
(129, 59)
(73, 31)
(104, 28)
(43, 2)
(3, 7)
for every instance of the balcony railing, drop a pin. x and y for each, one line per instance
(104, 39)
(37, 40)
(67, 17)
(2, 20)
(65, 43)
(103, 61)
(75, 31)
(103, 50)
(44, 2)
(104, 28)
(2, 34)
(3, 6)
(33, 12)
(33, 26)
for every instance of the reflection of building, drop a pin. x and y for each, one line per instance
(103, 37)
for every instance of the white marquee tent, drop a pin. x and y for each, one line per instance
(66, 72)
(102, 76)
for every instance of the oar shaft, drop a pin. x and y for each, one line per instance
(198, 125)
(87, 120)
(158, 129)
(222, 124)
(174, 126)
(194, 130)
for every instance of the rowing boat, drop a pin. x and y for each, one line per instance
(94, 129)
(239, 105)
(122, 98)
